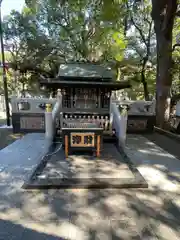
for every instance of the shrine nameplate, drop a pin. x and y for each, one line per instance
(31, 123)
(82, 139)
(137, 124)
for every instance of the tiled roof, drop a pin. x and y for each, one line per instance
(84, 70)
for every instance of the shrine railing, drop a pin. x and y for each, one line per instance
(140, 115)
(57, 115)
(28, 114)
(119, 124)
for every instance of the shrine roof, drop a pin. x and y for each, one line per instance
(84, 74)
(85, 70)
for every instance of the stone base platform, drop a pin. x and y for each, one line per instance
(112, 170)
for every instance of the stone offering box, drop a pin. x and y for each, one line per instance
(141, 115)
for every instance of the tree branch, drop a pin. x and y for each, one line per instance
(136, 26)
(73, 41)
(36, 70)
(149, 40)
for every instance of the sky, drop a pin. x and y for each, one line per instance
(9, 5)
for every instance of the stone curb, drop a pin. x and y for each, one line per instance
(167, 133)
(49, 148)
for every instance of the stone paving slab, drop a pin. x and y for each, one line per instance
(146, 214)
(24, 150)
(82, 170)
(18, 160)
(109, 165)
(157, 166)
(82, 214)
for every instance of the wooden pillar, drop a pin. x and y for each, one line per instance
(66, 146)
(98, 146)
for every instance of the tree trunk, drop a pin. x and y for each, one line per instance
(143, 80)
(163, 14)
(23, 89)
(164, 79)
(145, 86)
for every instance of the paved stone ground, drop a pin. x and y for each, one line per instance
(153, 213)
(111, 170)
(166, 143)
(82, 166)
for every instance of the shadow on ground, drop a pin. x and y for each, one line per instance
(20, 232)
(90, 214)
(82, 214)
(168, 144)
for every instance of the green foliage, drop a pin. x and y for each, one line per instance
(77, 30)
(120, 33)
